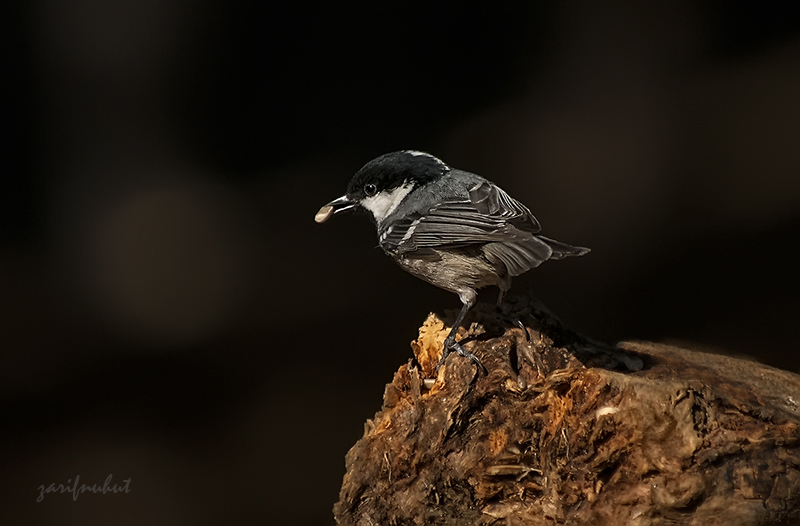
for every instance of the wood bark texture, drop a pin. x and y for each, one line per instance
(566, 430)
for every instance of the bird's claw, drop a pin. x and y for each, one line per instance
(519, 324)
(516, 322)
(452, 345)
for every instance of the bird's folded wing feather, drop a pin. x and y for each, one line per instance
(488, 216)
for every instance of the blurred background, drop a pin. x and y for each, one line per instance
(170, 312)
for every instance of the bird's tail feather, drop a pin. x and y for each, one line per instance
(519, 256)
(562, 250)
(523, 255)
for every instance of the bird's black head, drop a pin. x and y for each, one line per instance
(382, 184)
(394, 170)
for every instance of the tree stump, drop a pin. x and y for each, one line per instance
(566, 430)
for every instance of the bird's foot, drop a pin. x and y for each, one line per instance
(516, 322)
(452, 345)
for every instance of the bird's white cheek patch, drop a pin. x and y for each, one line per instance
(384, 203)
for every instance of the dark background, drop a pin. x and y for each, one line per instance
(169, 311)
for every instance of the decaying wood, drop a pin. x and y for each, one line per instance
(565, 430)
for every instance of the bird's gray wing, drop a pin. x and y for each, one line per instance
(489, 217)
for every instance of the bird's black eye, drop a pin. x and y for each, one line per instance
(370, 189)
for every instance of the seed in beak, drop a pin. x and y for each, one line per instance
(324, 214)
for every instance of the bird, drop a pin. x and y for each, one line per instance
(449, 227)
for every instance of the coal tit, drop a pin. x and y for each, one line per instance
(451, 228)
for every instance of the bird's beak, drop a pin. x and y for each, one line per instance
(334, 207)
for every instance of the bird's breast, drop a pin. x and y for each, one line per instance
(453, 270)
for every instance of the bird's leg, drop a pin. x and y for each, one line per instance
(450, 343)
(514, 321)
(500, 298)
